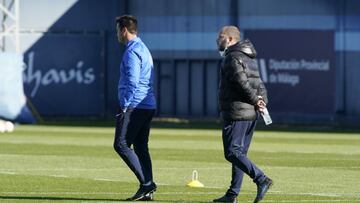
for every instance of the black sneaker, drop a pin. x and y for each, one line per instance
(142, 192)
(147, 197)
(226, 198)
(262, 188)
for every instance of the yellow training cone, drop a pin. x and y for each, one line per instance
(194, 182)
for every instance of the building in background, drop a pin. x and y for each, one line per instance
(308, 53)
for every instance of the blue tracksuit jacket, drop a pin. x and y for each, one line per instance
(135, 89)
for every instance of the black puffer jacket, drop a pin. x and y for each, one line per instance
(240, 83)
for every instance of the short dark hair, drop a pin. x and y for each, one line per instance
(127, 21)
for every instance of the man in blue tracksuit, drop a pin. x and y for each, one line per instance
(136, 106)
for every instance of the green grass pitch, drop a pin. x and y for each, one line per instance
(78, 164)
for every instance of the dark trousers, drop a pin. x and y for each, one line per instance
(237, 137)
(132, 129)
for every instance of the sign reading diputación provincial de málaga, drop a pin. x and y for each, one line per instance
(298, 69)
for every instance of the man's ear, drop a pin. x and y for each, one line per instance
(125, 30)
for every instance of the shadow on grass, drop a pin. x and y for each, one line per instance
(54, 198)
(207, 123)
(82, 199)
(156, 123)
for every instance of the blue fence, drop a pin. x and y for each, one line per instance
(308, 54)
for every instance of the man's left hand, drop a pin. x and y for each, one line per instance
(260, 104)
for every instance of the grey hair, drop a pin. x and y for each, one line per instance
(231, 31)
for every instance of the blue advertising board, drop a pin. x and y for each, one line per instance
(64, 75)
(298, 69)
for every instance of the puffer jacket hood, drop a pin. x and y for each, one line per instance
(244, 46)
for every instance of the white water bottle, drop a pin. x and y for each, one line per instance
(266, 116)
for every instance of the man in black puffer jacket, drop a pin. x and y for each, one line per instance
(242, 95)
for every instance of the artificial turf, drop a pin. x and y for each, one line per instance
(78, 164)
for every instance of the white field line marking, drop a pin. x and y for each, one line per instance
(59, 176)
(217, 187)
(212, 187)
(63, 193)
(104, 179)
(111, 169)
(7, 172)
(315, 200)
(311, 193)
(163, 168)
(169, 193)
(157, 183)
(161, 193)
(14, 173)
(96, 179)
(105, 193)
